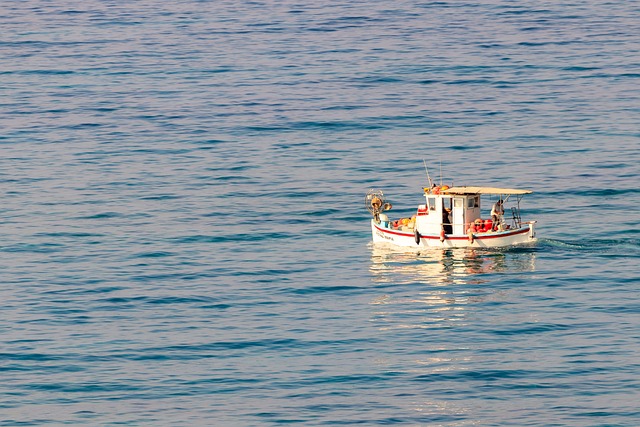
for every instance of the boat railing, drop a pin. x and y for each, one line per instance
(506, 226)
(517, 221)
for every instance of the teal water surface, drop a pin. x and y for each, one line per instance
(184, 241)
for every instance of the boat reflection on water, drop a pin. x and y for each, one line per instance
(450, 266)
(435, 288)
(434, 311)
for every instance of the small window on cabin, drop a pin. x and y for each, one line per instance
(432, 203)
(457, 203)
(473, 202)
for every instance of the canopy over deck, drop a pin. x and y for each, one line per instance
(483, 190)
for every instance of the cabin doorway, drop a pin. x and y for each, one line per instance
(457, 215)
(447, 219)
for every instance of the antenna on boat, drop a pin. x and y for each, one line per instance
(427, 169)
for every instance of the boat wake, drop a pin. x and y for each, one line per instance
(627, 247)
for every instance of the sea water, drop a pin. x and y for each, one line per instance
(184, 238)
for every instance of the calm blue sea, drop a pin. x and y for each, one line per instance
(184, 241)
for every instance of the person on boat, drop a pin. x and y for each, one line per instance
(446, 221)
(497, 212)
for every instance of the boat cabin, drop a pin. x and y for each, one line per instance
(453, 209)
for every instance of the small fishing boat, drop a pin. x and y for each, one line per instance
(451, 217)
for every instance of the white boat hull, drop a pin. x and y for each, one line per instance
(518, 236)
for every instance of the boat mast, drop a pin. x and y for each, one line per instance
(427, 169)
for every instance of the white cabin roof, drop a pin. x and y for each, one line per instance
(483, 190)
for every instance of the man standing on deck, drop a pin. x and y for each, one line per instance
(497, 212)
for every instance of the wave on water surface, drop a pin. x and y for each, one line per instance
(623, 247)
(184, 241)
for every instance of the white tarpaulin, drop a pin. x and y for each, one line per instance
(483, 190)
